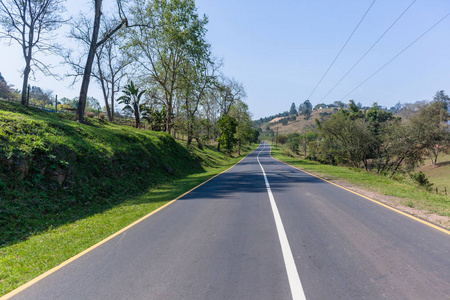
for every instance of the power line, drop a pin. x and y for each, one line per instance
(341, 50)
(396, 56)
(362, 57)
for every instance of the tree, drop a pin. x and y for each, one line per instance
(227, 126)
(433, 121)
(351, 136)
(442, 98)
(231, 91)
(31, 23)
(94, 44)
(175, 33)
(110, 71)
(293, 110)
(240, 113)
(305, 109)
(198, 76)
(339, 104)
(132, 100)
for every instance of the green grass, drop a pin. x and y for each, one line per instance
(413, 195)
(439, 175)
(113, 175)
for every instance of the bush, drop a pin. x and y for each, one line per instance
(422, 180)
(90, 114)
(101, 116)
(282, 139)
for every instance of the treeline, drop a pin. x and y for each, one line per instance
(153, 54)
(376, 139)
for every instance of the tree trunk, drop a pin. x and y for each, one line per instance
(136, 116)
(112, 97)
(169, 117)
(105, 94)
(90, 60)
(26, 74)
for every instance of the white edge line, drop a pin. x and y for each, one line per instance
(291, 269)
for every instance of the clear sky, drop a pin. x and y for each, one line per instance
(280, 50)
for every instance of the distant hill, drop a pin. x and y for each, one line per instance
(296, 123)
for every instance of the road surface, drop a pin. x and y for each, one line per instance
(239, 236)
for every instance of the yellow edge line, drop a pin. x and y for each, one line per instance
(375, 201)
(65, 263)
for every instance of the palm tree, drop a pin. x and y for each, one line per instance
(131, 99)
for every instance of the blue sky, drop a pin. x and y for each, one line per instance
(280, 49)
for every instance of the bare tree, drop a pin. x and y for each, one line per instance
(111, 69)
(231, 91)
(31, 23)
(94, 44)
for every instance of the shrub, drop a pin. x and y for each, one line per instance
(282, 139)
(422, 180)
(101, 116)
(90, 114)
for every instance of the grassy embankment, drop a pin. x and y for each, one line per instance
(403, 187)
(439, 175)
(65, 186)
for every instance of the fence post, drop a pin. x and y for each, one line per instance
(56, 103)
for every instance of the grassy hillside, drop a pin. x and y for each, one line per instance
(439, 175)
(54, 170)
(300, 125)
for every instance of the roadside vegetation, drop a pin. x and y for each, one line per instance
(400, 152)
(65, 186)
(409, 192)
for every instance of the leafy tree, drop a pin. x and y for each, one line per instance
(339, 104)
(132, 100)
(198, 77)
(227, 126)
(241, 114)
(255, 135)
(282, 139)
(432, 119)
(442, 98)
(305, 109)
(31, 24)
(350, 135)
(174, 34)
(293, 110)
(305, 139)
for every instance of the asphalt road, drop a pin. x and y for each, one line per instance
(221, 241)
